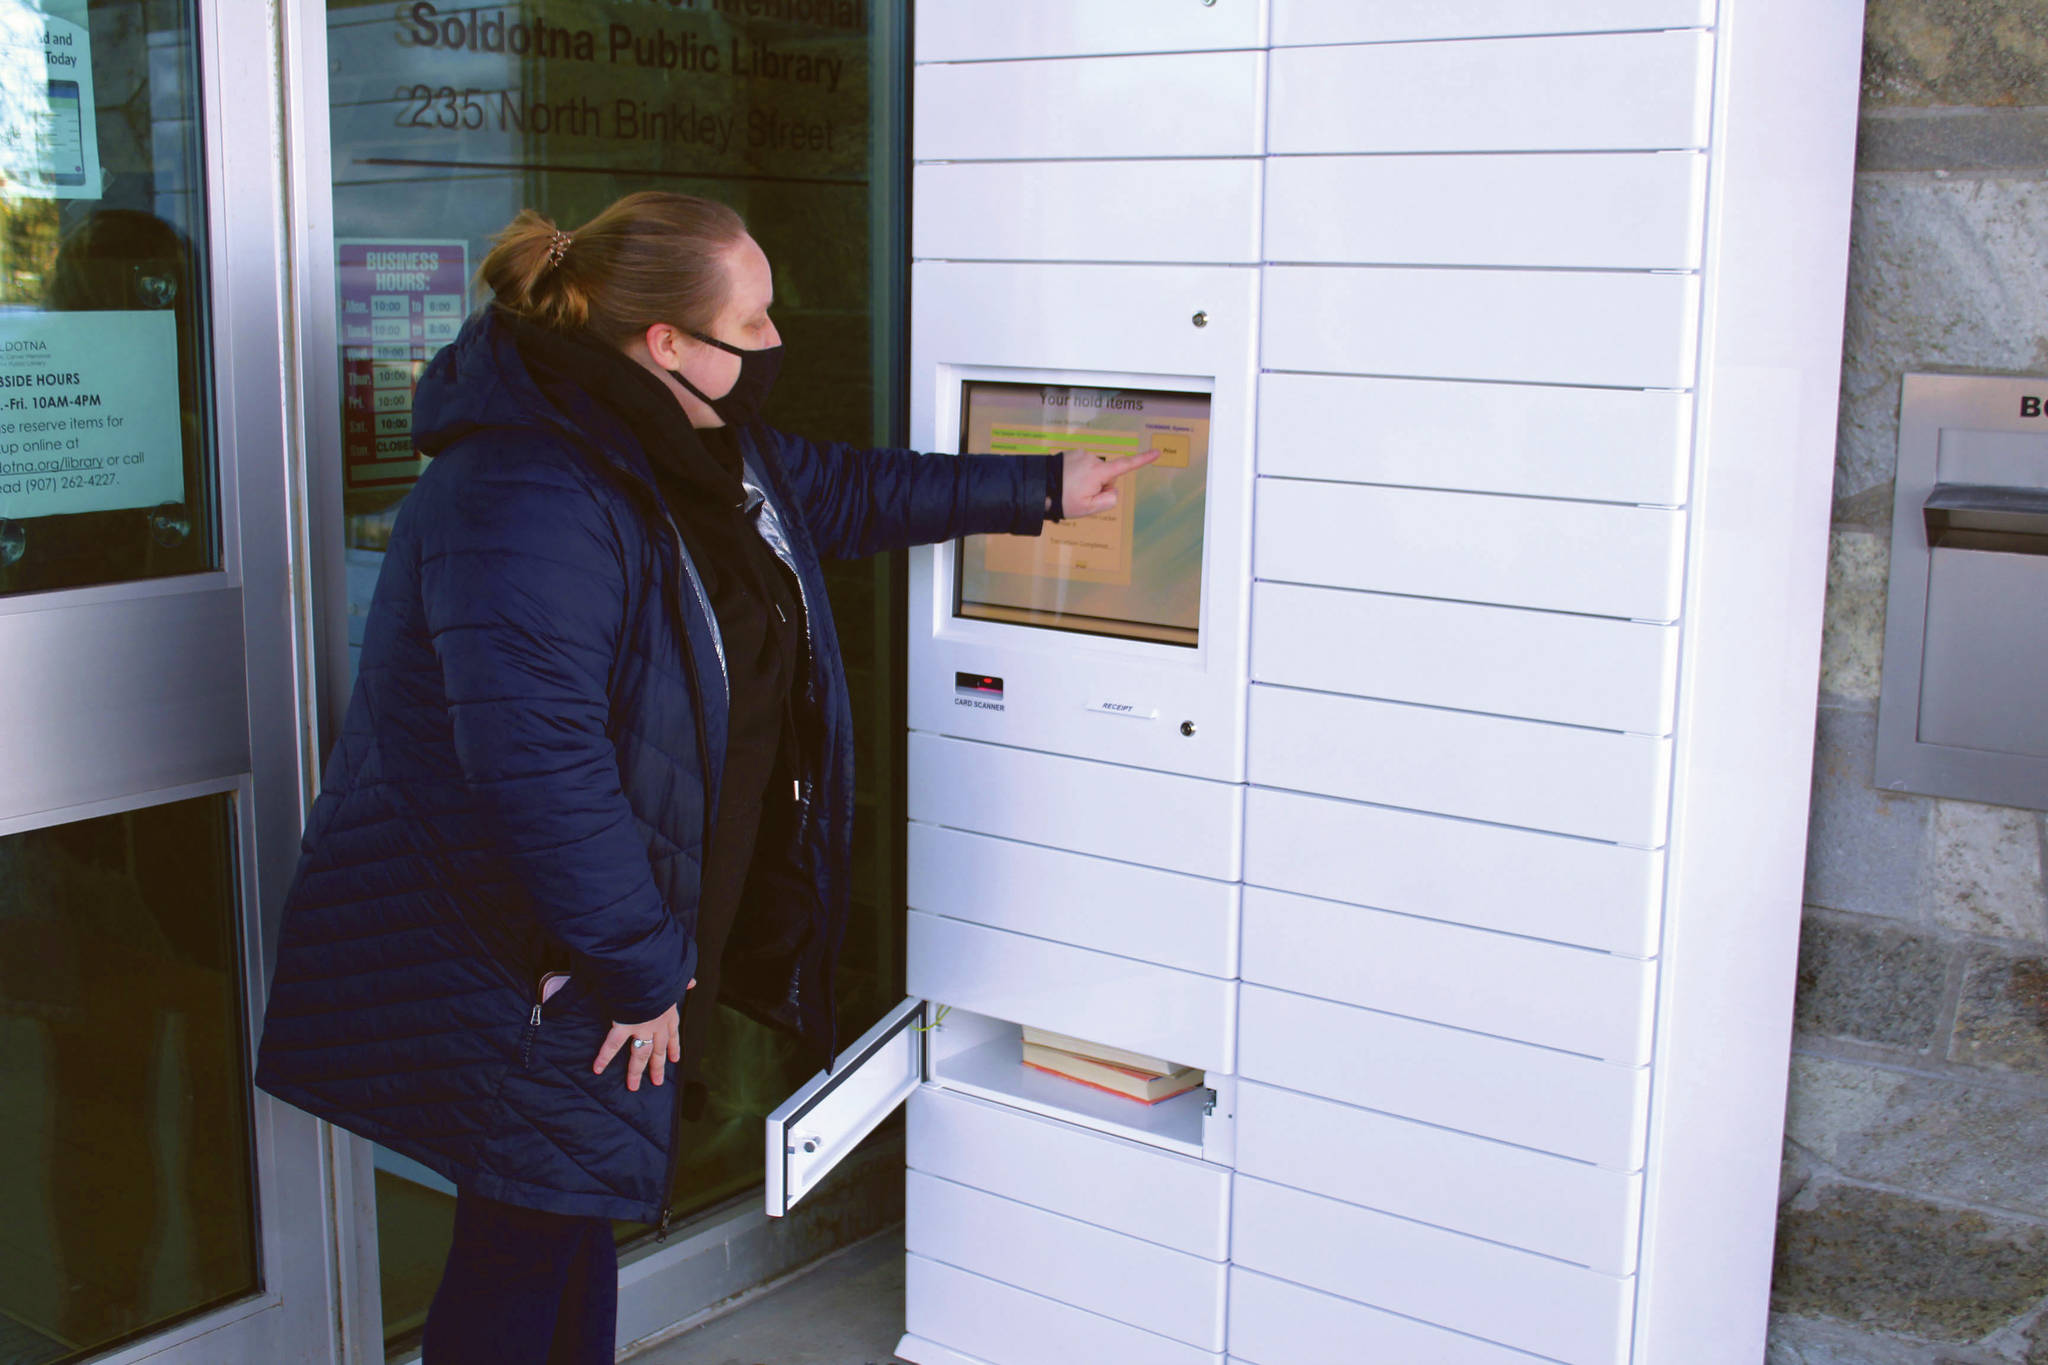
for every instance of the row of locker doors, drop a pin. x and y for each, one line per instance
(1333, 1144)
(1040, 1228)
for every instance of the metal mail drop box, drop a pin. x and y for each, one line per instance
(1964, 706)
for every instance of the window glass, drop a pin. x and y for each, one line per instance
(106, 458)
(448, 118)
(126, 1187)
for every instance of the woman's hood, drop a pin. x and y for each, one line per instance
(474, 383)
(479, 382)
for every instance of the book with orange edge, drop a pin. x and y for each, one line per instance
(1145, 1087)
(1101, 1052)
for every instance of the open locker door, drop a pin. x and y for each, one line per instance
(826, 1118)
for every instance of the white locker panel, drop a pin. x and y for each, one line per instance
(1545, 1204)
(1188, 104)
(1273, 1322)
(1542, 665)
(821, 1122)
(1161, 1197)
(1120, 1277)
(1113, 907)
(1147, 211)
(1474, 547)
(1004, 1325)
(1595, 784)
(1511, 1092)
(1597, 445)
(1628, 211)
(1386, 21)
(1574, 999)
(1121, 1001)
(1566, 1312)
(1572, 890)
(1183, 824)
(1620, 330)
(974, 30)
(1614, 92)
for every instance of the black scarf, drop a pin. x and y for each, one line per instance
(700, 481)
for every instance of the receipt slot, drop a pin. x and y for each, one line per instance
(1119, 637)
(1966, 633)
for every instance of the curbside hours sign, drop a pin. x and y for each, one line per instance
(89, 416)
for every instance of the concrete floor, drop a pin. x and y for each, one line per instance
(848, 1311)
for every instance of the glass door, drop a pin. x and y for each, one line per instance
(425, 127)
(151, 772)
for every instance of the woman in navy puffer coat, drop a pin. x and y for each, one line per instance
(601, 602)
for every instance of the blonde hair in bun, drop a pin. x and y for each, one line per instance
(651, 257)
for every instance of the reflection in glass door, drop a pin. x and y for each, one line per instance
(151, 1205)
(126, 1190)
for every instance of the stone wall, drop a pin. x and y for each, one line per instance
(1914, 1226)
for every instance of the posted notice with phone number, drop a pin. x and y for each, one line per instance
(89, 418)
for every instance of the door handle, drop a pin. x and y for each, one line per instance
(1964, 516)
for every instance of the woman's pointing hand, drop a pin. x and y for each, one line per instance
(1088, 482)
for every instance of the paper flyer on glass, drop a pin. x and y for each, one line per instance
(49, 139)
(401, 302)
(89, 417)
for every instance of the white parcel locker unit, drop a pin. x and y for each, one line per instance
(1421, 749)
(1087, 277)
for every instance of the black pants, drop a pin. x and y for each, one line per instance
(524, 1288)
(718, 901)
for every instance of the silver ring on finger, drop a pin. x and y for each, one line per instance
(639, 1043)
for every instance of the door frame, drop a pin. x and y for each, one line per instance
(242, 71)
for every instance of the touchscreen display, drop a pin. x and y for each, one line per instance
(1134, 571)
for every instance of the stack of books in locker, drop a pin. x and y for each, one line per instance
(1116, 1070)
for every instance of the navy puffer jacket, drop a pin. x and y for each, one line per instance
(526, 776)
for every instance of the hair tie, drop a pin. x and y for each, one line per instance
(558, 247)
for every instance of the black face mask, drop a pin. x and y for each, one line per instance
(741, 403)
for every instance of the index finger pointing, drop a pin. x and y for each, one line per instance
(1124, 464)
